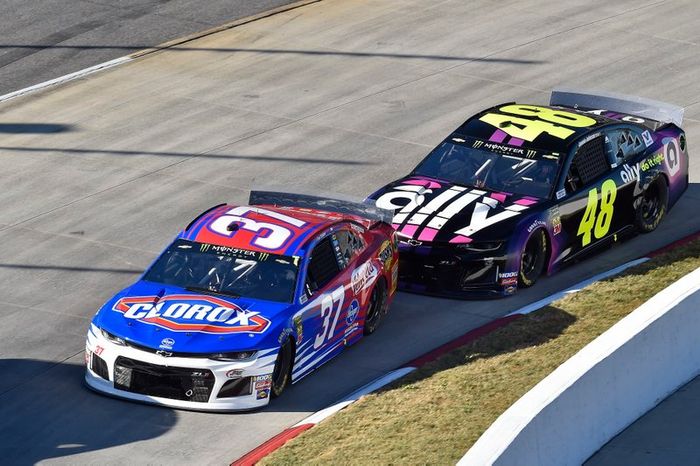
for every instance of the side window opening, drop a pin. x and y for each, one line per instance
(323, 266)
(589, 163)
(347, 245)
(623, 143)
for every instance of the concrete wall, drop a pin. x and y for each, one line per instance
(610, 383)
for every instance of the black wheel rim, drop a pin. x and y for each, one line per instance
(281, 370)
(374, 308)
(651, 206)
(529, 259)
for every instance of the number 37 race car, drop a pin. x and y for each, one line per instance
(245, 301)
(521, 190)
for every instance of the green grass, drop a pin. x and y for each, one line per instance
(434, 414)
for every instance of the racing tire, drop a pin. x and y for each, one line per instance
(532, 259)
(376, 308)
(652, 206)
(282, 373)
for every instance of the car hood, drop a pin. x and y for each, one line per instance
(170, 318)
(429, 210)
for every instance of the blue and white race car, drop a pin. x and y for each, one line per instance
(246, 300)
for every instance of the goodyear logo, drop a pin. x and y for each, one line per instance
(192, 313)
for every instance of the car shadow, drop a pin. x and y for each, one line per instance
(47, 412)
(532, 330)
(34, 128)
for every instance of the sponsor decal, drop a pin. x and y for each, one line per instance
(353, 310)
(492, 146)
(99, 350)
(535, 224)
(652, 161)
(262, 394)
(287, 332)
(386, 254)
(508, 275)
(363, 276)
(648, 140)
(167, 343)
(616, 116)
(233, 373)
(350, 330)
(555, 220)
(510, 290)
(433, 216)
(556, 226)
(357, 228)
(630, 174)
(303, 299)
(588, 138)
(561, 193)
(509, 281)
(263, 382)
(395, 277)
(192, 313)
(672, 156)
(299, 327)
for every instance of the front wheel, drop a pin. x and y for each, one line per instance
(532, 260)
(652, 206)
(375, 310)
(282, 372)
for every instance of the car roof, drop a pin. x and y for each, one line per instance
(310, 222)
(476, 128)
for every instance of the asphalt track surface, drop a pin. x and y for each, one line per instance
(668, 434)
(44, 39)
(99, 174)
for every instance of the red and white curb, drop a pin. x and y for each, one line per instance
(283, 437)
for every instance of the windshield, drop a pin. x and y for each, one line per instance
(483, 169)
(228, 271)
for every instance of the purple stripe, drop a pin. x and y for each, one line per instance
(498, 136)
(515, 142)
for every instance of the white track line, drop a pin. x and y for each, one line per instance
(577, 287)
(67, 77)
(354, 396)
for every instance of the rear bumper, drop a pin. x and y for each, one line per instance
(449, 273)
(187, 383)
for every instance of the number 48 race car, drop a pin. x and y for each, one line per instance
(520, 190)
(245, 301)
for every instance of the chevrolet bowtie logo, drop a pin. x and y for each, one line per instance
(165, 354)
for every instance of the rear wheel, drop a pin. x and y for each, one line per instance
(532, 260)
(282, 373)
(375, 310)
(652, 206)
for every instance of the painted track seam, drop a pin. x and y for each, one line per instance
(151, 50)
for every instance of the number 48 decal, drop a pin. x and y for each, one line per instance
(599, 224)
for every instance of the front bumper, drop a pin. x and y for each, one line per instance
(178, 382)
(448, 272)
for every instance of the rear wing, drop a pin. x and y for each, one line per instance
(362, 209)
(636, 106)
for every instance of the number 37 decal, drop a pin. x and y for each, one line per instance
(598, 222)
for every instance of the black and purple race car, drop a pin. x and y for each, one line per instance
(521, 190)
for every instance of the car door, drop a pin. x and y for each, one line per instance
(590, 196)
(328, 288)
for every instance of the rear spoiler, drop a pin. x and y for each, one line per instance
(635, 106)
(362, 209)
